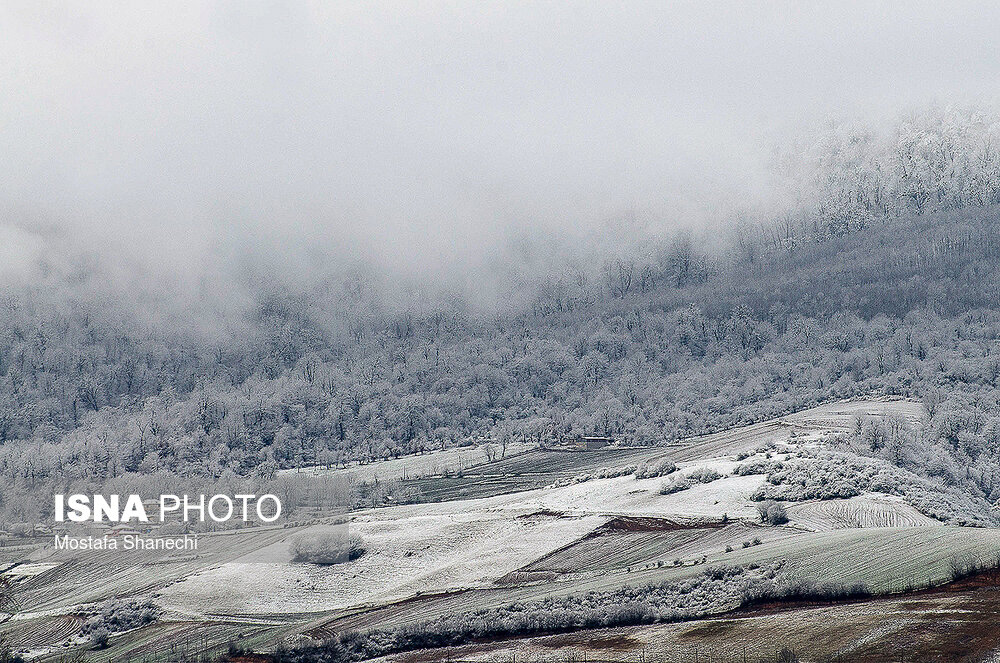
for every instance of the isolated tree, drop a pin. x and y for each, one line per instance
(932, 400)
(772, 513)
(618, 274)
(335, 547)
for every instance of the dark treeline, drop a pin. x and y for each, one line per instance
(647, 347)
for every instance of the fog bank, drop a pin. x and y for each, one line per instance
(189, 150)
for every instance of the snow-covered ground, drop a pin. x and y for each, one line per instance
(425, 548)
(870, 510)
(432, 463)
(420, 553)
(631, 497)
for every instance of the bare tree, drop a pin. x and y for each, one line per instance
(932, 401)
(619, 275)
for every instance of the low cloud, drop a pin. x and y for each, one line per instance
(193, 145)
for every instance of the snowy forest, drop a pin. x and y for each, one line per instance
(877, 274)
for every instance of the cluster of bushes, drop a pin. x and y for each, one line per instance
(118, 615)
(952, 456)
(808, 589)
(683, 482)
(757, 466)
(826, 474)
(603, 473)
(716, 590)
(332, 547)
(657, 469)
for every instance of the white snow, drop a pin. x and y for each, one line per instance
(424, 548)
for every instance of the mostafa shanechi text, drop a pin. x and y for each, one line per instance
(131, 523)
(126, 542)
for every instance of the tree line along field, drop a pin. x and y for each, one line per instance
(432, 463)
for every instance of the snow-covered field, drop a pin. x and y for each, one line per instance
(432, 463)
(628, 496)
(427, 548)
(409, 555)
(871, 510)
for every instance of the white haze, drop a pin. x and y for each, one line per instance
(192, 147)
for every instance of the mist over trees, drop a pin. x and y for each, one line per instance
(852, 174)
(881, 279)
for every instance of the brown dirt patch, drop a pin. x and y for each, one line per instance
(650, 524)
(542, 513)
(712, 628)
(595, 641)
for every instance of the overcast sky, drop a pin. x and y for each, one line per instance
(169, 130)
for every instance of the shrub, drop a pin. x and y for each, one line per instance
(786, 655)
(967, 565)
(7, 655)
(772, 513)
(806, 589)
(603, 473)
(675, 485)
(758, 466)
(704, 475)
(116, 616)
(679, 483)
(658, 469)
(333, 547)
(99, 637)
(233, 649)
